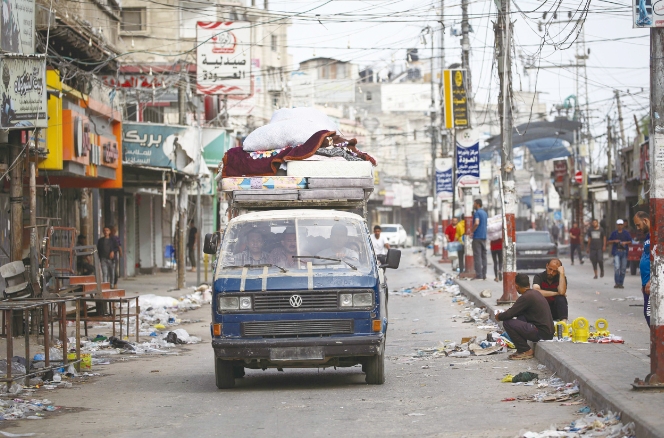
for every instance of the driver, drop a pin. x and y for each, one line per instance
(283, 254)
(337, 249)
(254, 254)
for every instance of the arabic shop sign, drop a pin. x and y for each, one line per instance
(457, 114)
(151, 144)
(23, 93)
(17, 26)
(468, 159)
(223, 58)
(444, 178)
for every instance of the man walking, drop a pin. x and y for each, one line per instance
(533, 319)
(479, 240)
(596, 246)
(642, 222)
(620, 239)
(555, 233)
(116, 262)
(575, 242)
(379, 243)
(192, 240)
(552, 284)
(107, 250)
(496, 247)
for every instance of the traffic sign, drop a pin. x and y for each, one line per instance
(578, 177)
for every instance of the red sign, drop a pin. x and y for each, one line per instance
(560, 172)
(578, 177)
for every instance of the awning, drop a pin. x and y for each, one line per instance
(545, 140)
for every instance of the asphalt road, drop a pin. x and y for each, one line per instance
(176, 395)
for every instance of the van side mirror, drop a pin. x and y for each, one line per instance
(211, 243)
(393, 259)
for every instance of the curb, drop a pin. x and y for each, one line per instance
(596, 393)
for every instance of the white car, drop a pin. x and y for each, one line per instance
(395, 234)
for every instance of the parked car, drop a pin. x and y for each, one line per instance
(395, 234)
(534, 249)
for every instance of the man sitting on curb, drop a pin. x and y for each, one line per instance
(532, 321)
(552, 284)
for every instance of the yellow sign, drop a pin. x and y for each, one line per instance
(457, 114)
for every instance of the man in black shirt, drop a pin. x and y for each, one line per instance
(532, 321)
(192, 239)
(107, 250)
(552, 284)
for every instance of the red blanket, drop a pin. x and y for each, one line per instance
(237, 162)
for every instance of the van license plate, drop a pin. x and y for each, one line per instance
(296, 353)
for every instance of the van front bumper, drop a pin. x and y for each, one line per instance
(314, 348)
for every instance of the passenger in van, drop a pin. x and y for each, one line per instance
(254, 254)
(283, 254)
(337, 249)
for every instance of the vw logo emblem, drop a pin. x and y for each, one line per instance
(295, 301)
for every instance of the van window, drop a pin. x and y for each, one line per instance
(326, 243)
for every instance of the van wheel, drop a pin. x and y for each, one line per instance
(375, 368)
(238, 371)
(224, 373)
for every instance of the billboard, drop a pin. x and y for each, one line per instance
(17, 26)
(444, 178)
(647, 13)
(457, 114)
(23, 93)
(223, 57)
(468, 159)
(406, 97)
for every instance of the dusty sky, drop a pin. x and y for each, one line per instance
(376, 33)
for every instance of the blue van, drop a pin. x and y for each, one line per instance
(298, 289)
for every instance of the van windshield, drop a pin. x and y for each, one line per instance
(294, 244)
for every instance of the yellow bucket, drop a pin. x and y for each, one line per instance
(580, 330)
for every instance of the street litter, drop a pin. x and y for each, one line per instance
(592, 425)
(486, 293)
(18, 408)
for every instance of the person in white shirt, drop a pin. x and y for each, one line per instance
(379, 243)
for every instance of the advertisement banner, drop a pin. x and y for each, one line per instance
(457, 114)
(560, 172)
(223, 58)
(444, 178)
(647, 13)
(468, 159)
(23, 93)
(539, 205)
(154, 145)
(17, 26)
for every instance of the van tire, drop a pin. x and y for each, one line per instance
(238, 371)
(224, 374)
(375, 368)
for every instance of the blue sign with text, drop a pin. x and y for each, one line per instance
(468, 165)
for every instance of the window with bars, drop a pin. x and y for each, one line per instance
(133, 20)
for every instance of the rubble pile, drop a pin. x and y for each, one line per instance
(592, 425)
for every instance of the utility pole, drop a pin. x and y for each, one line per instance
(445, 140)
(16, 195)
(656, 377)
(432, 113)
(609, 174)
(467, 191)
(183, 196)
(503, 38)
(620, 120)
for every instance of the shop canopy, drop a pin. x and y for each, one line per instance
(545, 140)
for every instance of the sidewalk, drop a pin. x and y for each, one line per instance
(161, 283)
(605, 371)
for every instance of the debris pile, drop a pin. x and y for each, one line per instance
(592, 425)
(17, 408)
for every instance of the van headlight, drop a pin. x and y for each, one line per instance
(364, 299)
(235, 303)
(361, 299)
(245, 303)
